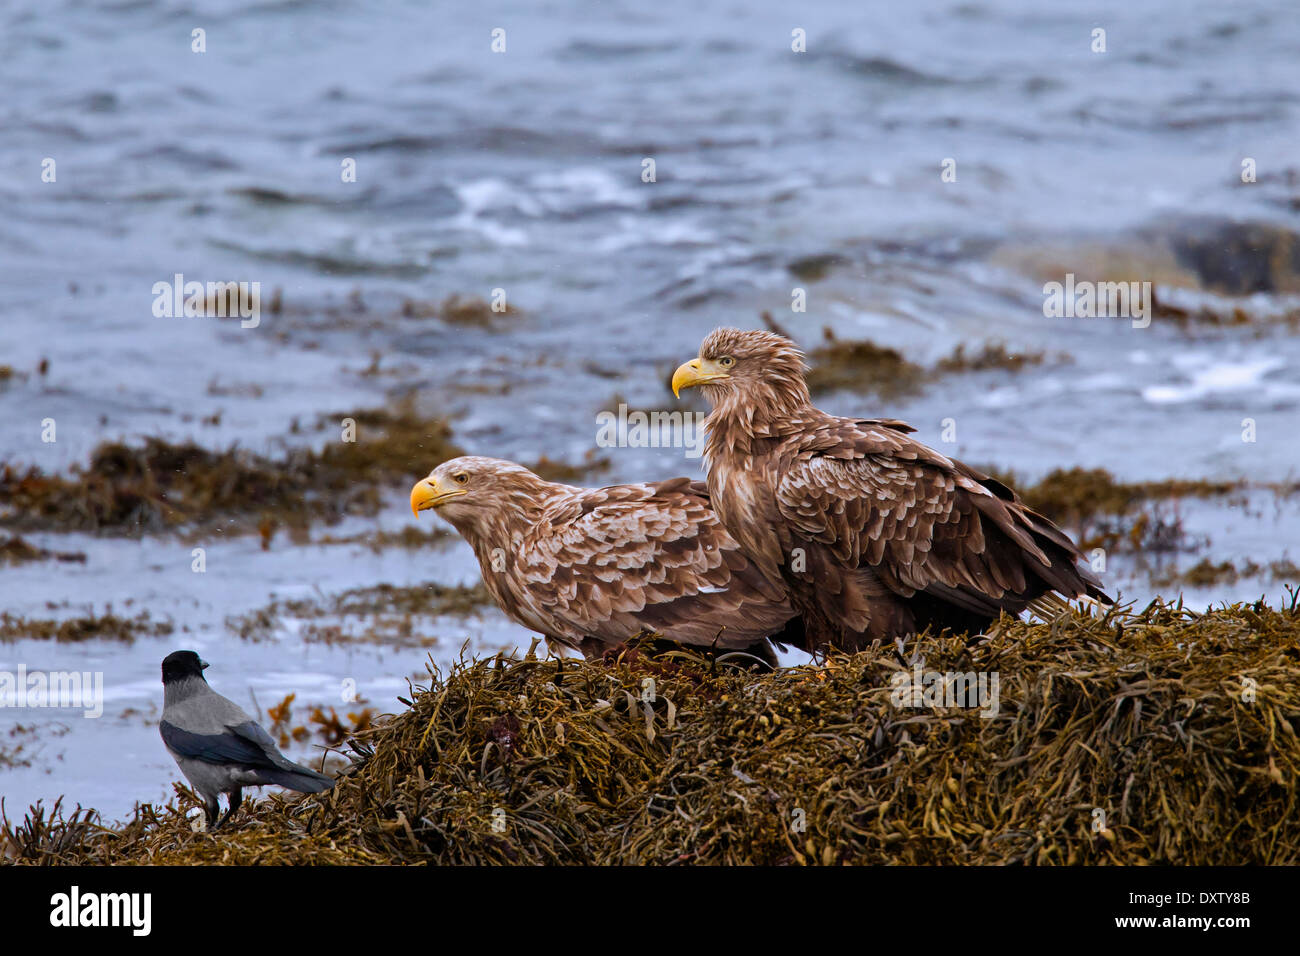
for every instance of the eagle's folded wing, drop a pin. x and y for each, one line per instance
(922, 522)
(608, 562)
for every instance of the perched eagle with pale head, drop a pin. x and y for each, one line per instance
(590, 568)
(876, 534)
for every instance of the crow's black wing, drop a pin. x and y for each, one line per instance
(246, 744)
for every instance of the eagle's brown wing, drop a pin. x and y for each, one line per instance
(911, 521)
(604, 564)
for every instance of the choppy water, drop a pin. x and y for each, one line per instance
(522, 171)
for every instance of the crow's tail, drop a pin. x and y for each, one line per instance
(300, 779)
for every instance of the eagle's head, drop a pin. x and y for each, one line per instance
(473, 493)
(758, 370)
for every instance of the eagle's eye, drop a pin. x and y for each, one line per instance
(460, 478)
(726, 361)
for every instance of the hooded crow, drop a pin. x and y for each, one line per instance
(219, 748)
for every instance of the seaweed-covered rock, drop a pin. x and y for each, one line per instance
(1164, 736)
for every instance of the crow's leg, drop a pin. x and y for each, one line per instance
(236, 798)
(210, 808)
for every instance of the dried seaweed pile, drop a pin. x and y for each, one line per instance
(1160, 737)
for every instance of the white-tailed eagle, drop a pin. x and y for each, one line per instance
(589, 568)
(876, 535)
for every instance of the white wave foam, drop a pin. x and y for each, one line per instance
(1213, 378)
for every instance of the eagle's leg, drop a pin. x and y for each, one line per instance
(236, 798)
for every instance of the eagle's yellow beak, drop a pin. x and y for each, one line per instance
(427, 494)
(697, 371)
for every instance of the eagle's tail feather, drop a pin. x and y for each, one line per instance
(1049, 606)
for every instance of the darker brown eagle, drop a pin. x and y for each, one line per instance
(589, 568)
(876, 534)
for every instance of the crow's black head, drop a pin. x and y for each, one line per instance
(180, 665)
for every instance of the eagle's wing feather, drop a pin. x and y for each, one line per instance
(878, 500)
(606, 563)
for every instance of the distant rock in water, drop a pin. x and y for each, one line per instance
(1209, 255)
(1242, 258)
